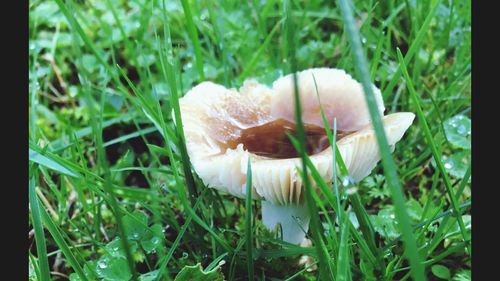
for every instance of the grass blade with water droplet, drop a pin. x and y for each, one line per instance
(390, 168)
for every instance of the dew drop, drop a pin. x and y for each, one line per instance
(346, 181)
(453, 213)
(462, 130)
(448, 166)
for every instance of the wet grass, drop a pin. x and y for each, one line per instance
(128, 206)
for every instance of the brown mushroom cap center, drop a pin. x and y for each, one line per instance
(271, 140)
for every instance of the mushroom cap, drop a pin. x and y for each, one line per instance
(339, 93)
(278, 181)
(214, 116)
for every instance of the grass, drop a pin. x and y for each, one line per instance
(248, 223)
(113, 195)
(390, 168)
(326, 263)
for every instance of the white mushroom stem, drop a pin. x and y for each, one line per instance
(294, 220)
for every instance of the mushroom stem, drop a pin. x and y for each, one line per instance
(294, 220)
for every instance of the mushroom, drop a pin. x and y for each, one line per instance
(224, 128)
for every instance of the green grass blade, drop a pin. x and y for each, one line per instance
(365, 226)
(86, 40)
(232, 264)
(41, 248)
(184, 199)
(326, 266)
(132, 135)
(332, 139)
(203, 224)
(414, 47)
(464, 181)
(367, 246)
(361, 214)
(435, 181)
(51, 163)
(289, 252)
(193, 193)
(63, 142)
(96, 122)
(300, 272)
(193, 34)
(215, 262)
(435, 152)
(365, 249)
(253, 61)
(444, 214)
(343, 265)
(128, 43)
(390, 168)
(32, 262)
(164, 263)
(169, 75)
(180, 131)
(61, 243)
(248, 222)
(33, 99)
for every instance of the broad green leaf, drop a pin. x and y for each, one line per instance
(152, 239)
(384, 224)
(414, 209)
(456, 165)
(88, 270)
(441, 271)
(136, 225)
(115, 249)
(458, 131)
(113, 269)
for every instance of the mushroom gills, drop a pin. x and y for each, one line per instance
(294, 220)
(271, 139)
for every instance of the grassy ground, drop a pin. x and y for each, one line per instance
(110, 183)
